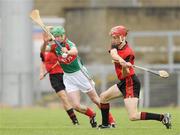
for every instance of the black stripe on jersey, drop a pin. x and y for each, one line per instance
(129, 58)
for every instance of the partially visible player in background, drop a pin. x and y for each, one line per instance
(76, 77)
(129, 84)
(49, 59)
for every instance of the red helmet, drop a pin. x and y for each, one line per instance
(119, 31)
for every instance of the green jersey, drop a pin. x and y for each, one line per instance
(71, 63)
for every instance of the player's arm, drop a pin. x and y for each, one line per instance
(42, 67)
(125, 65)
(42, 70)
(46, 41)
(116, 57)
(72, 51)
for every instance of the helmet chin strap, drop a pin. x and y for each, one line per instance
(122, 42)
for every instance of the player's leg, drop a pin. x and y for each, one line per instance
(108, 95)
(131, 106)
(131, 91)
(56, 81)
(73, 84)
(94, 97)
(74, 97)
(88, 111)
(112, 93)
(67, 106)
(92, 94)
(87, 87)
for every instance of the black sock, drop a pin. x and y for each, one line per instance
(105, 113)
(72, 115)
(151, 116)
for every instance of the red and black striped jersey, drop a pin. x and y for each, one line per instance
(49, 59)
(127, 54)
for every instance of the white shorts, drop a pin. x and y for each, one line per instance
(77, 81)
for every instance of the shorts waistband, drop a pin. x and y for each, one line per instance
(74, 73)
(127, 77)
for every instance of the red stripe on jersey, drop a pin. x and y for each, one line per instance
(69, 59)
(129, 87)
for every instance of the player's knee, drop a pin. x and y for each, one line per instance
(62, 95)
(132, 117)
(102, 98)
(77, 107)
(95, 100)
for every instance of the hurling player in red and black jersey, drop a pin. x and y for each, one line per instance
(49, 59)
(129, 84)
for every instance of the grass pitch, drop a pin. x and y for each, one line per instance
(43, 121)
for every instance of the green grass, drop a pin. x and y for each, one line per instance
(43, 121)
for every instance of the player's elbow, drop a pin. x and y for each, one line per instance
(102, 98)
(113, 55)
(133, 117)
(77, 107)
(76, 52)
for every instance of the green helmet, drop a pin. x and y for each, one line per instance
(57, 31)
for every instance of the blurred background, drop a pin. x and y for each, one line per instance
(153, 33)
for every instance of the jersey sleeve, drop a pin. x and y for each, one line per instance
(71, 45)
(53, 47)
(113, 46)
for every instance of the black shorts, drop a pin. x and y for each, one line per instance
(130, 86)
(57, 82)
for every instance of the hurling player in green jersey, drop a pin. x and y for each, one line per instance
(76, 77)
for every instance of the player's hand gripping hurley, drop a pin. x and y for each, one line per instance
(36, 18)
(161, 73)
